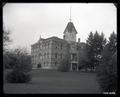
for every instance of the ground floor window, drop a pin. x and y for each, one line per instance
(39, 65)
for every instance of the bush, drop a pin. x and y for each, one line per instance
(64, 66)
(105, 72)
(21, 69)
(18, 77)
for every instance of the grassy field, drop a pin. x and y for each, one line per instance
(51, 81)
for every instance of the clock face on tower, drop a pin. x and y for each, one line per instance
(70, 32)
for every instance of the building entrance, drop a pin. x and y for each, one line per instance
(74, 66)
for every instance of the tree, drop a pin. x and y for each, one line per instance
(107, 70)
(113, 42)
(21, 69)
(83, 59)
(6, 38)
(6, 41)
(95, 45)
(64, 65)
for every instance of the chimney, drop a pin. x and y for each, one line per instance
(79, 40)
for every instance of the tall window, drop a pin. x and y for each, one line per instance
(55, 63)
(47, 55)
(56, 46)
(74, 57)
(61, 55)
(44, 55)
(45, 45)
(44, 63)
(48, 45)
(61, 46)
(56, 55)
(39, 55)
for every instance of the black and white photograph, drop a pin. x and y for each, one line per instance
(60, 48)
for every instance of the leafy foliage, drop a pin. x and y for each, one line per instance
(95, 45)
(83, 59)
(64, 65)
(107, 70)
(21, 68)
(16, 76)
(6, 39)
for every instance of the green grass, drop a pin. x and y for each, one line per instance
(51, 81)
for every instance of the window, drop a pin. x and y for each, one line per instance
(74, 57)
(61, 55)
(47, 55)
(61, 46)
(56, 55)
(44, 63)
(44, 56)
(56, 46)
(55, 63)
(39, 55)
(47, 63)
(45, 46)
(48, 45)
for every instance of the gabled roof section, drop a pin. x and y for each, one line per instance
(70, 28)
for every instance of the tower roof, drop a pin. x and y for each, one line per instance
(70, 28)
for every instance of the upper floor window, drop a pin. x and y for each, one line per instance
(47, 55)
(48, 45)
(61, 46)
(56, 55)
(61, 56)
(45, 45)
(39, 55)
(56, 46)
(74, 57)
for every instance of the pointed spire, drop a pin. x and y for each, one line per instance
(70, 13)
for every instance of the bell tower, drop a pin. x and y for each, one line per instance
(70, 31)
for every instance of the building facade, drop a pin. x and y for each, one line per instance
(48, 53)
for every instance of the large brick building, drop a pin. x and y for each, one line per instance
(48, 53)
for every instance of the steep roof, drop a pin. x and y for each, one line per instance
(70, 28)
(57, 39)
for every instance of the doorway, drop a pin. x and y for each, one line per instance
(74, 66)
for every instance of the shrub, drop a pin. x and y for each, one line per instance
(21, 69)
(106, 74)
(107, 71)
(18, 77)
(64, 66)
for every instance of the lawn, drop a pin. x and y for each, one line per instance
(51, 81)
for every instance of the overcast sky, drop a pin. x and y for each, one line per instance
(27, 21)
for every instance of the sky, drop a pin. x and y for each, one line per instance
(28, 21)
